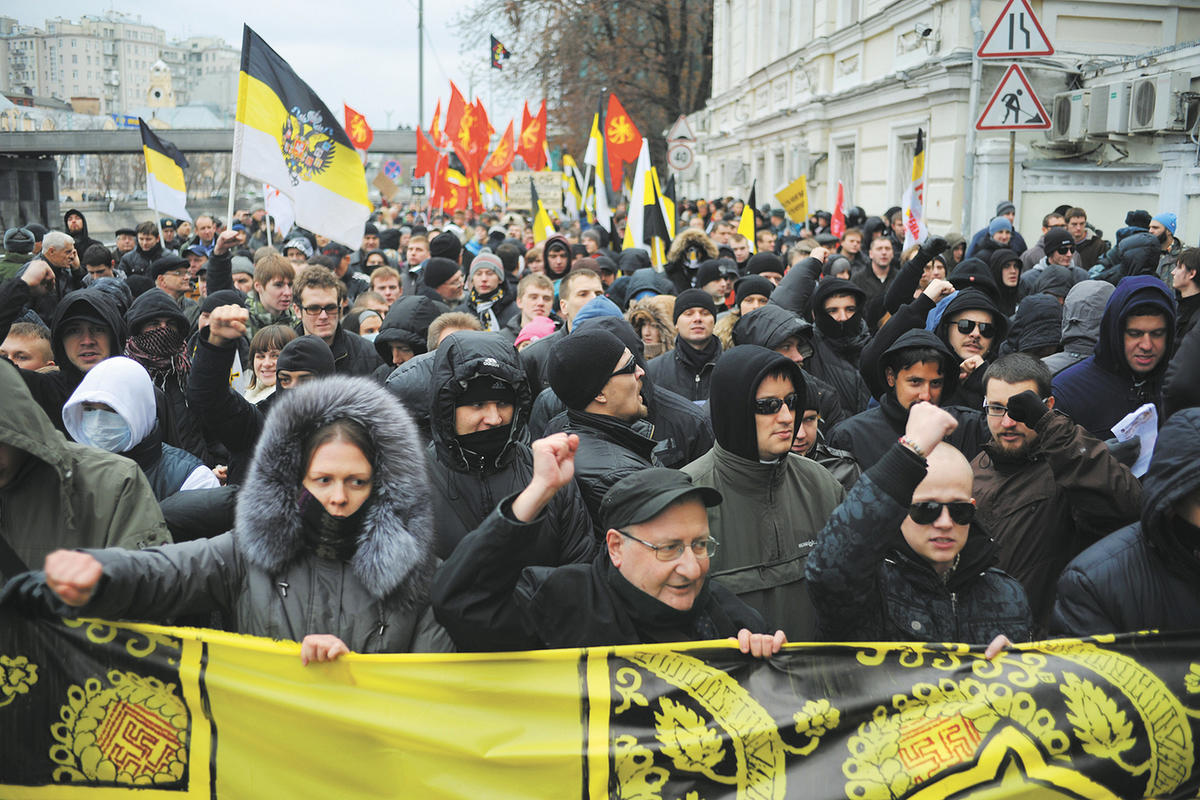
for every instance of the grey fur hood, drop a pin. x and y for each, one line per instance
(395, 548)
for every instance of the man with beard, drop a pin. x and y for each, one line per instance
(77, 227)
(1043, 486)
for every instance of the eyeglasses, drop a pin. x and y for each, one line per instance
(997, 410)
(628, 369)
(771, 405)
(986, 329)
(315, 311)
(927, 512)
(701, 548)
(178, 273)
(1065, 248)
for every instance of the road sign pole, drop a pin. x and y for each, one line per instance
(1012, 152)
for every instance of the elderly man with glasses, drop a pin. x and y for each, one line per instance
(775, 500)
(650, 586)
(1045, 488)
(318, 295)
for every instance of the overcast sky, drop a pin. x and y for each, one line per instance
(358, 53)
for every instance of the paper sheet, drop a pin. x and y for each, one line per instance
(1142, 423)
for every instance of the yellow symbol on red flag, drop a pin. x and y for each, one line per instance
(621, 130)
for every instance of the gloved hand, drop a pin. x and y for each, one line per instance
(25, 594)
(934, 246)
(1027, 408)
(1125, 452)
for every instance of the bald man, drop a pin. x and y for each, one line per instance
(903, 557)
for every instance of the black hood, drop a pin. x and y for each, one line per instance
(770, 326)
(1174, 472)
(155, 303)
(921, 338)
(1038, 324)
(974, 273)
(646, 278)
(1132, 292)
(634, 259)
(735, 381)
(966, 300)
(852, 327)
(871, 227)
(460, 358)
(91, 304)
(407, 322)
(557, 238)
(83, 232)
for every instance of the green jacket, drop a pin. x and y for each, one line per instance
(766, 526)
(68, 495)
(261, 316)
(11, 263)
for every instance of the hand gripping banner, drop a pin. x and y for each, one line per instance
(93, 709)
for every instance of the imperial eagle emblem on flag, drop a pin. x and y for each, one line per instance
(307, 146)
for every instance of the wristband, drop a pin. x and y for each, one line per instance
(911, 445)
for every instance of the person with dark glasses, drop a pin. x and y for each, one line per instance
(775, 501)
(905, 558)
(1061, 255)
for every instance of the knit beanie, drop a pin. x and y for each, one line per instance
(445, 245)
(693, 298)
(536, 328)
(1168, 220)
(437, 271)
(750, 285)
(581, 364)
(487, 261)
(999, 224)
(308, 353)
(764, 262)
(708, 271)
(487, 388)
(18, 240)
(224, 297)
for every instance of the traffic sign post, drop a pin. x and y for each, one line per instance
(679, 155)
(1014, 106)
(1016, 34)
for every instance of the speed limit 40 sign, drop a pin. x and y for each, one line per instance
(679, 155)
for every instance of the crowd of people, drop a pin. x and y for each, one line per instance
(458, 437)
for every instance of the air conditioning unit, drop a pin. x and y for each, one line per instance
(1108, 111)
(1069, 118)
(1154, 103)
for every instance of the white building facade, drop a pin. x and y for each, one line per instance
(837, 89)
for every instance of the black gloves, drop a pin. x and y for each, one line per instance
(934, 246)
(1027, 408)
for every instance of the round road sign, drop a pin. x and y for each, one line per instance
(679, 156)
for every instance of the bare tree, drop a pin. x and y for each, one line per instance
(655, 55)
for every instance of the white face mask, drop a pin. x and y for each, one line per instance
(106, 430)
(370, 337)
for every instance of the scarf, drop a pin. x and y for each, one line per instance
(483, 307)
(326, 536)
(161, 351)
(482, 448)
(695, 360)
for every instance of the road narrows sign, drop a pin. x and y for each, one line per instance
(1016, 34)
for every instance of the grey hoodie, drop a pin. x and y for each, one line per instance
(1082, 311)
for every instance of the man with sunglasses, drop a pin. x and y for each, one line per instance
(1044, 486)
(1060, 255)
(650, 586)
(318, 296)
(774, 500)
(903, 557)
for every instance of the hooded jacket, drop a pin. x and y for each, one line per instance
(1081, 315)
(770, 326)
(867, 584)
(124, 385)
(869, 434)
(1038, 324)
(1135, 254)
(681, 268)
(647, 312)
(1031, 279)
(137, 261)
(466, 486)
(838, 346)
(771, 512)
(68, 495)
(556, 238)
(970, 391)
(1146, 575)
(82, 239)
(407, 322)
(1046, 506)
(51, 390)
(1007, 295)
(1101, 389)
(263, 576)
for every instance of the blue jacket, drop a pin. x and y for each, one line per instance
(1100, 390)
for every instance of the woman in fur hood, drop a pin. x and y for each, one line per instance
(690, 248)
(332, 544)
(651, 318)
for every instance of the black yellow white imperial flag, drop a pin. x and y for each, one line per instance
(285, 136)
(166, 192)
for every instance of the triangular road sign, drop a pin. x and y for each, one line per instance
(1016, 34)
(681, 131)
(1014, 106)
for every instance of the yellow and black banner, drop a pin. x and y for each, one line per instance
(93, 709)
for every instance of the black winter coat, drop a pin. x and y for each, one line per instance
(671, 371)
(1146, 575)
(137, 261)
(466, 486)
(608, 451)
(868, 585)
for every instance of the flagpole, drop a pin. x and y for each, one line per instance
(232, 191)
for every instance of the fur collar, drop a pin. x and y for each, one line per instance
(395, 552)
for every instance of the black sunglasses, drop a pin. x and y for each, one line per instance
(1065, 248)
(771, 405)
(986, 329)
(927, 512)
(628, 369)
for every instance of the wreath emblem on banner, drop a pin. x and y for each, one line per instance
(307, 145)
(133, 732)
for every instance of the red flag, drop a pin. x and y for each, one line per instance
(454, 114)
(837, 224)
(501, 159)
(622, 140)
(427, 154)
(531, 147)
(357, 129)
(435, 132)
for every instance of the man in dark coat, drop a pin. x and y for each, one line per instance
(149, 249)
(687, 368)
(1082, 311)
(1146, 575)
(77, 226)
(838, 340)
(1043, 486)
(648, 585)
(405, 333)
(901, 560)
(318, 297)
(1137, 334)
(575, 291)
(480, 402)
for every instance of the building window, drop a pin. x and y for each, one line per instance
(845, 172)
(906, 147)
